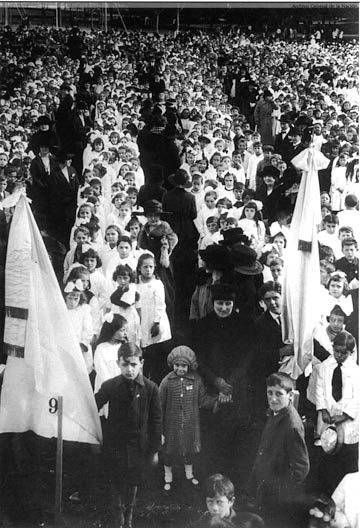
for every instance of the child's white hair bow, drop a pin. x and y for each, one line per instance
(72, 286)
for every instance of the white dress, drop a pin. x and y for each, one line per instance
(338, 181)
(129, 312)
(153, 310)
(106, 367)
(81, 320)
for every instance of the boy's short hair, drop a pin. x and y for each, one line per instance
(269, 286)
(345, 229)
(331, 219)
(128, 350)
(337, 310)
(238, 186)
(346, 339)
(349, 242)
(218, 484)
(268, 148)
(277, 262)
(282, 380)
(197, 176)
(132, 190)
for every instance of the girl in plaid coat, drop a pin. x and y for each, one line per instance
(182, 393)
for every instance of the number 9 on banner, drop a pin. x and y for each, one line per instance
(53, 405)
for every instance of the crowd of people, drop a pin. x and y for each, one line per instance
(161, 175)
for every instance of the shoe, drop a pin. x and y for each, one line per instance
(193, 482)
(75, 497)
(317, 442)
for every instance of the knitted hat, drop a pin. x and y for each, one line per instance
(183, 353)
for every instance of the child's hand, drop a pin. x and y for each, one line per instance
(339, 418)
(326, 416)
(155, 329)
(224, 398)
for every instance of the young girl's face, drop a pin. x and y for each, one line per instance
(98, 147)
(130, 180)
(271, 257)
(280, 243)
(81, 238)
(111, 237)
(124, 249)
(123, 170)
(228, 182)
(336, 323)
(336, 288)
(180, 368)
(120, 335)
(147, 269)
(276, 271)
(90, 263)
(85, 213)
(250, 213)
(134, 165)
(324, 199)
(123, 281)
(202, 165)
(117, 202)
(212, 227)
(324, 276)
(134, 231)
(72, 300)
(97, 188)
(330, 228)
(124, 211)
(132, 198)
(216, 161)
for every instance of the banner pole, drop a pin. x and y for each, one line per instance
(59, 464)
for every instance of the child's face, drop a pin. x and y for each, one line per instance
(278, 398)
(212, 227)
(276, 271)
(269, 180)
(180, 368)
(216, 161)
(3, 160)
(237, 194)
(272, 301)
(325, 211)
(85, 213)
(117, 202)
(90, 263)
(341, 353)
(3, 185)
(202, 165)
(124, 249)
(134, 165)
(197, 185)
(111, 237)
(134, 231)
(132, 197)
(324, 276)
(96, 188)
(210, 202)
(124, 211)
(280, 243)
(229, 182)
(123, 281)
(130, 367)
(250, 213)
(120, 336)
(72, 300)
(81, 238)
(336, 323)
(147, 268)
(345, 234)
(325, 199)
(153, 219)
(281, 165)
(219, 505)
(130, 180)
(336, 288)
(350, 252)
(330, 228)
(257, 150)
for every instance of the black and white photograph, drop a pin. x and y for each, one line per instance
(179, 265)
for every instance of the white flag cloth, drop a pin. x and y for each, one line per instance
(44, 357)
(300, 311)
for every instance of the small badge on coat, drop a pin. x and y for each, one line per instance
(189, 387)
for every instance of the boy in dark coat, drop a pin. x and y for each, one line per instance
(132, 433)
(282, 461)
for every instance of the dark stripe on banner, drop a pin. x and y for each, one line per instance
(14, 350)
(16, 313)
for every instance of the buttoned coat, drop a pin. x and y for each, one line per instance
(282, 460)
(181, 399)
(145, 409)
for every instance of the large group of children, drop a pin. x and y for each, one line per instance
(161, 174)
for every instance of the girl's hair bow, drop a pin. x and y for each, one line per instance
(74, 286)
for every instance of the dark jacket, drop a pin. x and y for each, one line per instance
(182, 204)
(282, 460)
(283, 145)
(145, 413)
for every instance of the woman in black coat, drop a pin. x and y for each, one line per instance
(270, 193)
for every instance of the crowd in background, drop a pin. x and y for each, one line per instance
(161, 174)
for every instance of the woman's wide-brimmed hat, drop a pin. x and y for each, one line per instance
(181, 177)
(152, 207)
(216, 257)
(233, 236)
(44, 120)
(245, 260)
